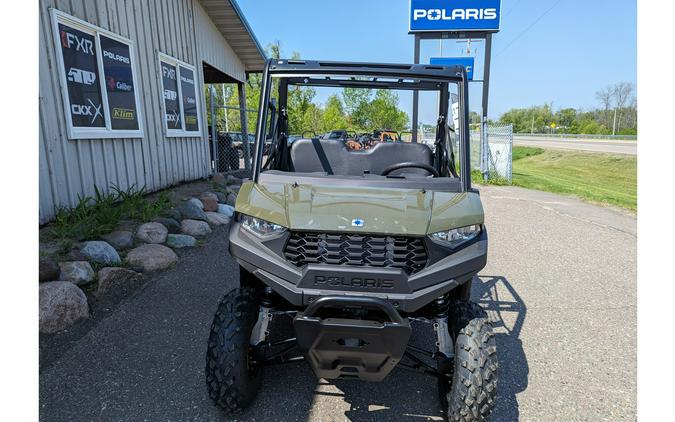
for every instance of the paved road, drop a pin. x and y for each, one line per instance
(560, 285)
(592, 145)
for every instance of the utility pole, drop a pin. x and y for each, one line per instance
(614, 124)
(532, 127)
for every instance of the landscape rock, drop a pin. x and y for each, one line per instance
(195, 228)
(191, 211)
(172, 225)
(100, 252)
(151, 257)
(180, 241)
(49, 269)
(196, 202)
(231, 180)
(152, 233)
(120, 239)
(217, 219)
(173, 214)
(78, 272)
(61, 304)
(110, 278)
(210, 203)
(228, 210)
(219, 179)
(222, 197)
(232, 199)
(126, 225)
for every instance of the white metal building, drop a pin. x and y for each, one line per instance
(122, 91)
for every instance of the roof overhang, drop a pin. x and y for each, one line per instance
(230, 21)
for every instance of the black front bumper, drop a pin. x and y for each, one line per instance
(407, 293)
(352, 348)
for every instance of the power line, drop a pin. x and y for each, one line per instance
(528, 28)
(508, 12)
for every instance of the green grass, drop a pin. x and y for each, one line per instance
(94, 216)
(602, 178)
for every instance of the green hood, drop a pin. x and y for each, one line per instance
(332, 208)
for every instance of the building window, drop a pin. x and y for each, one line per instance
(181, 114)
(98, 79)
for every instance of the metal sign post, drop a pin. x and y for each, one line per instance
(458, 19)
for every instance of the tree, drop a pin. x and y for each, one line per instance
(384, 112)
(333, 115)
(622, 91)
(606, 96)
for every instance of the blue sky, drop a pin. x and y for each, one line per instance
(574, 50)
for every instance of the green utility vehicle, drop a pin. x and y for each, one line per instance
(343, 252)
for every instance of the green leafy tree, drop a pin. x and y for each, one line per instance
(384, 112)
(334, 116)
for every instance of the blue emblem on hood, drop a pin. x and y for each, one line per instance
(357, 222)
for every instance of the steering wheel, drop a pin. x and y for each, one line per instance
(410, 164)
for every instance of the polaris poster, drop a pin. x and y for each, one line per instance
(454, 15)
(119, 84)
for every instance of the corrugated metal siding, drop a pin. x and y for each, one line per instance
(69, 168)
(213, 49)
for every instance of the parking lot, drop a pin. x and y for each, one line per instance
(560, 285)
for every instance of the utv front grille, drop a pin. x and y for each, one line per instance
(407, 253)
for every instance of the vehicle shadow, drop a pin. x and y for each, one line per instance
(507, 312)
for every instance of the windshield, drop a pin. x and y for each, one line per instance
(362, 132)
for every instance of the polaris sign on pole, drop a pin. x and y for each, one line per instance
(457, 19)
(454, 15)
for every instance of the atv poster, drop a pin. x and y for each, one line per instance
(119, 84)
(171, 104)
(81, 71)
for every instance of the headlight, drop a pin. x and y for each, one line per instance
(260, 227)
(455, 237)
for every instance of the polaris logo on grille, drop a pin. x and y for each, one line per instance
(357, 222)
(353, 282)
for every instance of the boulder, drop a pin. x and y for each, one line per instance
(228, 210)
(216, 219)
(126, 225)
(49, 269)
(173, 214)
(195, 228)
(151, 257)
(172, 225)
(219, 179)
(231, 180)
(120, 239)
(152, 233)
(222, 197)
(191, 211)
(196, 202)
(180, 241)
(78, 272)
(100, 252)
(231, 199)
(110, 278)
(61, 305)
(210, 203)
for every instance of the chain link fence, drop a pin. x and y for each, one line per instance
(496, 161)
(231, 148)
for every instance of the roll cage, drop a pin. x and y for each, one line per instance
(357, 75)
